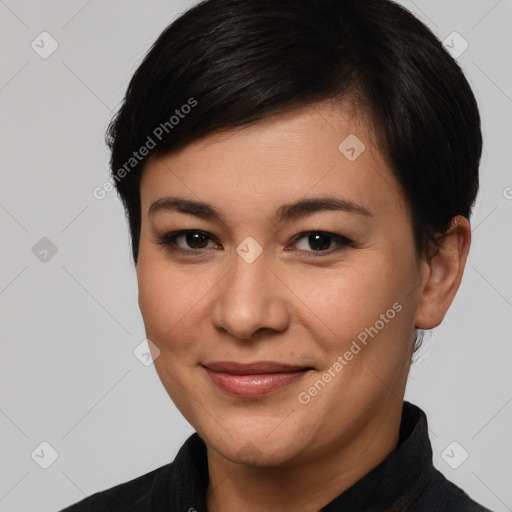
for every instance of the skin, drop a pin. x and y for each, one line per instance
(288, 305)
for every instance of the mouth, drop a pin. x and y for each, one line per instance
(254, 379)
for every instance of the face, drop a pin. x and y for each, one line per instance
(283, 331)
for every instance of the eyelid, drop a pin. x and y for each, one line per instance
(168, 241)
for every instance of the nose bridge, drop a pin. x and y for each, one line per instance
(249, 299)
(248, 279)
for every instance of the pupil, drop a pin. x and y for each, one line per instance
(194, 240)
(315, 241)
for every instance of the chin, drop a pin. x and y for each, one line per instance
(254, 447)
(251, 453)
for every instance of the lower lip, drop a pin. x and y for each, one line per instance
(256, 385)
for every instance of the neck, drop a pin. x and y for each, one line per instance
(306, 485)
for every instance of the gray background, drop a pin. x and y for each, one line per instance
(70, 323)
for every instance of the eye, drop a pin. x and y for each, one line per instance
(320, 242)
(196, 242)
(191, 241)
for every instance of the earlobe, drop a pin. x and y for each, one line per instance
(445, 270)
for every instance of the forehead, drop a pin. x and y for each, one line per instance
(314, 150)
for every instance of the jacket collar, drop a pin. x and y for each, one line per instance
(400, 478)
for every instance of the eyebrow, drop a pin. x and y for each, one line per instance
(285, 213)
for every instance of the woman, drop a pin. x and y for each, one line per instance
(298, 178)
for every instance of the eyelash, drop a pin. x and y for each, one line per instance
(169, 242)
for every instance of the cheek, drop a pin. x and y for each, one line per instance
(351, 298)
(371, 311)
(170, 302)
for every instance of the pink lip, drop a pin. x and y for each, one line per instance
(254, 379)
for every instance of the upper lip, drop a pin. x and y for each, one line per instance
(257, 367)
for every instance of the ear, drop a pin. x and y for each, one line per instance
(444, 273)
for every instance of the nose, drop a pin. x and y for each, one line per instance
(251, 299)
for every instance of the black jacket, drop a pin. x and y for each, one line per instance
(405, 481)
